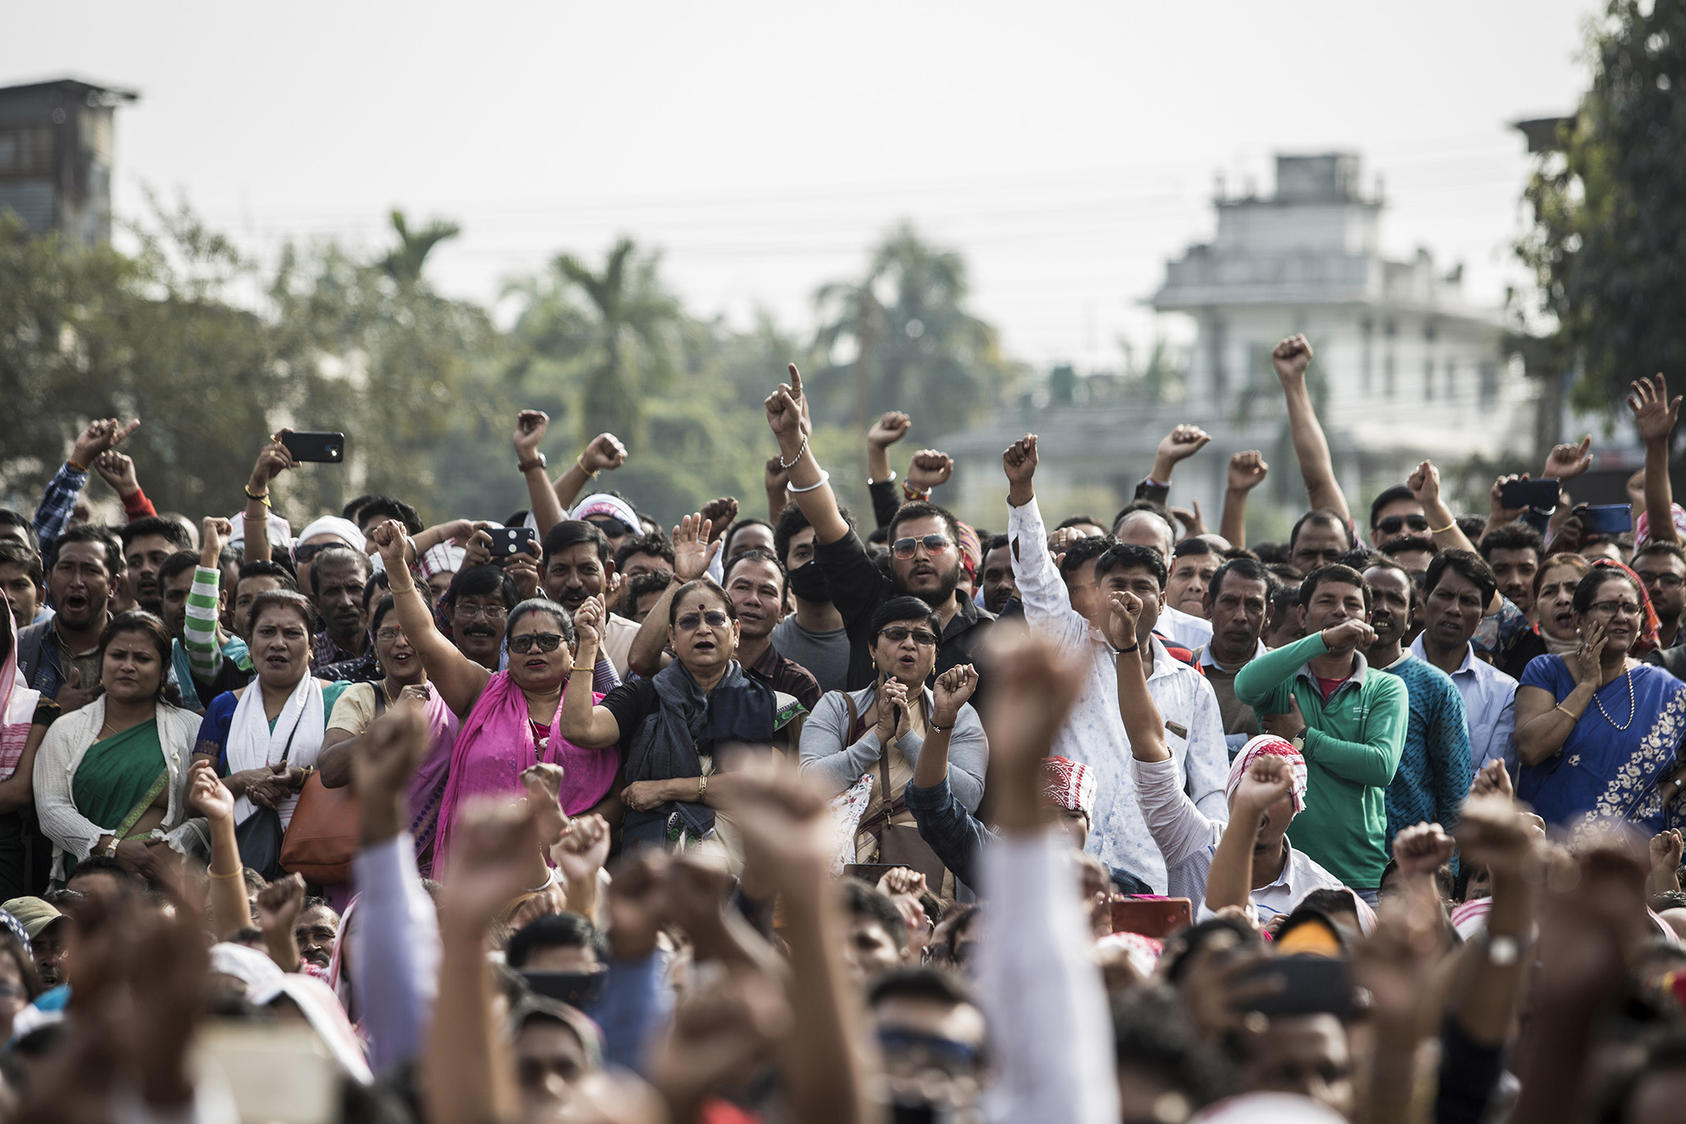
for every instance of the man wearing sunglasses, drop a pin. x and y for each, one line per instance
(1396, 514)
(924, 552)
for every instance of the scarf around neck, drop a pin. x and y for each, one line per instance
(254, 744)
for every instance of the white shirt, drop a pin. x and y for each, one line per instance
(1189, 840)
(1037, 977)
(1489, 706)
(1094, 732)
(1185, 628)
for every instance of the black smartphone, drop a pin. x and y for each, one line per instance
(1606, 519)
(1307, 985)
(321, 448)
(577, 989)
(1530, 493)
(509, 542)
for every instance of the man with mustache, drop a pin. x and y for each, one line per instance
(755, 582)
(60, 657)
(1434, 772)
(577, 564)
(924, 552)
(1238, 603)
(1456, 592)
(337, 574)
(146, 544)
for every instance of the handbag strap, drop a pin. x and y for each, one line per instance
(288, 748)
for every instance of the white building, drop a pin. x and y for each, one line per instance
(1406, 365)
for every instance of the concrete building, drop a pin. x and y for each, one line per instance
(1406, 365)
(57, 148)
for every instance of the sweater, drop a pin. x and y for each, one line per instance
(1353, 743)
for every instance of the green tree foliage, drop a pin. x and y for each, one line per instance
(1608, 239)
(214, 351)
(901, 337)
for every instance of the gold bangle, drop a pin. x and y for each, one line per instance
(579, 463)
(251, 495)
(1442, 530)
(702, 788)
(73, 466)
(1573, 717)
(576, 667)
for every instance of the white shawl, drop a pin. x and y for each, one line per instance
(252, 744)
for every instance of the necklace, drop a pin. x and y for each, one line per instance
(1632, 707)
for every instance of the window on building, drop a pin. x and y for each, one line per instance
(1428, 380)
(26, 150)
(1489, 384)
(1366, 374)
(1388, 380)
(1451, 379)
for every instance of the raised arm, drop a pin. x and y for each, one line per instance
(1311, 448)
(1047, 604)
(1654, 414)
(204, 603)
(530, 427)
(604, 453)
(584, 723)
(788, 842)
(810, 485)
(1247, 471)
(1055, 1056)
(888, 430)
(1230, 881)
(208, 796)
(1424, 483)
(118, 470)
(458, 678)
(692, 553)
(1178, 445)
(58, 501)
(273, 459)
(468, 1072)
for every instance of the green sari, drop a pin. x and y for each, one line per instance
(119, 778)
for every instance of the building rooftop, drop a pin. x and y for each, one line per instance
(94, 93)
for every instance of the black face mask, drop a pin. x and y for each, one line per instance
(809, 584)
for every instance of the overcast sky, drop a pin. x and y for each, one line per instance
(1067, 149)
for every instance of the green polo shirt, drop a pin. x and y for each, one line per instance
(1353, 743)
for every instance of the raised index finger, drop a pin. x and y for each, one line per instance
(795, 382)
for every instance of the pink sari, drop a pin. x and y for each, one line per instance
(427, 787)
(17, 701)
(496, 744)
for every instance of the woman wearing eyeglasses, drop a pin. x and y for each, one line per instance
(509, 718)
(1596, 729)
(402, 676)
(680, 726)
(883, 728)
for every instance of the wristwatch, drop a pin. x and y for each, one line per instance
(110, 851)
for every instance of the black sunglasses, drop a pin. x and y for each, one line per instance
(1392, 524)
(306, 553)
(895, 634)
(543, 641)
(613, 528)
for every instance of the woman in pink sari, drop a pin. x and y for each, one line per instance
(20, 737)
(510, 718)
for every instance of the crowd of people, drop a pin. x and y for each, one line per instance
(817, 818)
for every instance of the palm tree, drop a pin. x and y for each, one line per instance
(619, 338)
(403, 263)
(915, 344)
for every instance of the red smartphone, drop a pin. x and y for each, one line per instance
(1152, 917)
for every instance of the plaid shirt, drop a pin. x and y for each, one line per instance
(57, 505)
